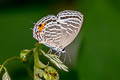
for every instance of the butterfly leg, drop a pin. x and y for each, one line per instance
(69, 57)
(50, 51)
(58, 54)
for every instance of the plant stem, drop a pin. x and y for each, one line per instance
(37, 61)
(11, 59)
(8, 60)
(38, 65)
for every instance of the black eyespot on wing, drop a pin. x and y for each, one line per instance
(40, 25)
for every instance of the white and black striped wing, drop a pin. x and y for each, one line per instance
(52, 33)
(47, 20)
(59, 30)
(71, 22)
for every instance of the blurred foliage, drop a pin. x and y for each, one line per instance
(98, 55)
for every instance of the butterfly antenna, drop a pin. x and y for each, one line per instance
(34, 23)
(31, 28)
(64, 57)
(69, 58)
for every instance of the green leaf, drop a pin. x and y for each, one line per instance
(24, 55)
(55, 60)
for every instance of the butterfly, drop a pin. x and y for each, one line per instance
(58, 31)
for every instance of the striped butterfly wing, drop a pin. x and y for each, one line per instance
(71, 22)
(47, 20)
(52, 33)
(59, 30)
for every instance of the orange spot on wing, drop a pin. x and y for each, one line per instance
(38, 32)
(41, 27)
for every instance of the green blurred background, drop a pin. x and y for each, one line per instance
(95, 52)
